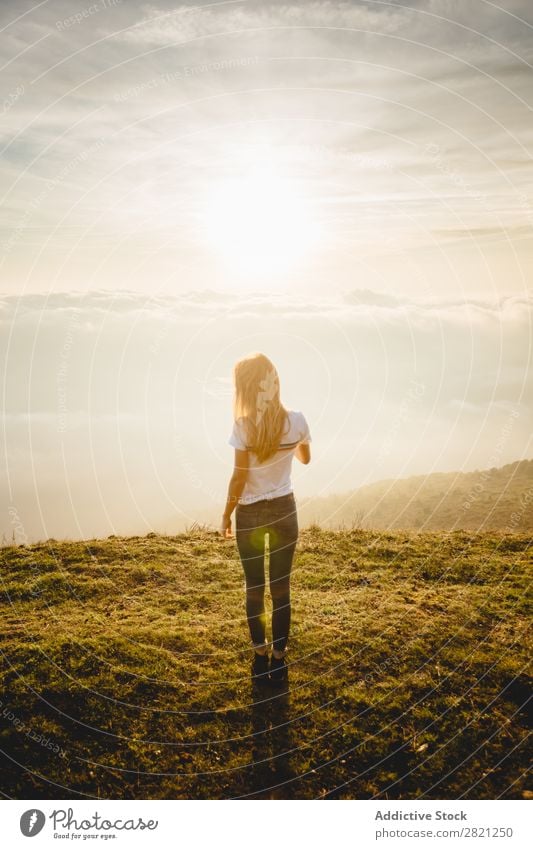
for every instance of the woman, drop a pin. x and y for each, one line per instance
(266, 437)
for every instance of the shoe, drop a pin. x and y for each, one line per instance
(278, 669)
(260, 666)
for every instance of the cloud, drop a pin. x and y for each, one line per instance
(116, 125)
(518, 232)
(106, 345)
(186, 23)
(118, 405)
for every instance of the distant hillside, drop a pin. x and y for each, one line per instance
(493, 499)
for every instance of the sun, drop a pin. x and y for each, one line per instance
(259, 223)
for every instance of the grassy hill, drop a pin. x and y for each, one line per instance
(498, 499)
(125, 670)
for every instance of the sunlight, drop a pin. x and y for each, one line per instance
(259, 223)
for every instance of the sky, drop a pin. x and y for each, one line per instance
(345, 186)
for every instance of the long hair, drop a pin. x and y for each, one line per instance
(257, 400)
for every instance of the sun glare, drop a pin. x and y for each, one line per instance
(259, 224)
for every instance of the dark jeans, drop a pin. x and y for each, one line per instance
(278, 518)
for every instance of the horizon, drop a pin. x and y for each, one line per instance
(521, 501)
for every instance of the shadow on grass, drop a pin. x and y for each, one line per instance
(271, 742)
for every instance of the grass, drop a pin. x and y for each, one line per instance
(125, 670)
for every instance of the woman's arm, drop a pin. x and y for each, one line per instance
(303, 453)
(235, 488)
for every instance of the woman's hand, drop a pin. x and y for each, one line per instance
(225, 528)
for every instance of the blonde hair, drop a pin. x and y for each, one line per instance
(257, 400)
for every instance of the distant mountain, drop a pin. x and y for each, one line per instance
(493, 499)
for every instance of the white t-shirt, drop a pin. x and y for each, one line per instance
(272, 478)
